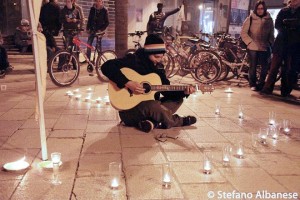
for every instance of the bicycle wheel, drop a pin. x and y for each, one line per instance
(224, 72)
(102, 58)
(168, 63)
(206, 66)
(63, 68)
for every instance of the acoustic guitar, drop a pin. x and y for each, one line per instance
(124, 99)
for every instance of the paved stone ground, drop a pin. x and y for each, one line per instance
(89, 137)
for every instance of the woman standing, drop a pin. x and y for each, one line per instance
(258, 33)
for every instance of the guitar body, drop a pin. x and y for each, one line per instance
(123, 99)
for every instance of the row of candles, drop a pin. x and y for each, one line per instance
(88, 98)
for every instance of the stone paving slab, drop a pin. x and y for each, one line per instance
(24, 138)
(192, 172)
(95, 164)
(71, 122)
(200, 191)
(17, 114)
(102, 142)
(9, 127)
(94, 188)
(290, 182)
(251, 180)
(66, 133)
(142, 156)
(149, 181)
(102, 126)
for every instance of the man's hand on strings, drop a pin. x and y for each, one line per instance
(135, 87)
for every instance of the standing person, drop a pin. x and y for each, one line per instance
(97, 22)
(150, 114)
(258, 33)
(49, 19)
(157, 19)
(23, 37)
(286, 48)
(70, 18)
(78, 7)
(4, 64)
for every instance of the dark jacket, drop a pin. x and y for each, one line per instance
(157, 20)
(72, 13)
(98, 19)
(22, 38)
(4, 64)
(140, 63)
(260, 35)
(49, 18)
(288, 23)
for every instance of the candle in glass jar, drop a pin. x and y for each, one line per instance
(114, 183)
(207, 167)
(240, 153)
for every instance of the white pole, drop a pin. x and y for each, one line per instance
(38, 82)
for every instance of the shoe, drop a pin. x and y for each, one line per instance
(265, 92)
(9, 69)
(253, 88)
(146, 126)
(189, 120)
(2, 74)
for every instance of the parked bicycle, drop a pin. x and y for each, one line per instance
(64, 67)
(202, 64)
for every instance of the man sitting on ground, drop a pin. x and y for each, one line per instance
(158, 113)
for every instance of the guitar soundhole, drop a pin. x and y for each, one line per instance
(147, 87)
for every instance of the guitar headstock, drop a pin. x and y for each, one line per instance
(204, 88)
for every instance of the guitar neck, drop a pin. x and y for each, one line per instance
(160, 88)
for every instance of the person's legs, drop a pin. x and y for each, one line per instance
(276, 62)
(156, 113)
(263, 56)
(252, 69)
(90, 42)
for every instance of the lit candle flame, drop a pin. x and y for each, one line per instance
(114, 183)
(167, 178)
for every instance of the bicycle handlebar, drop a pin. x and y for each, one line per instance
(138, 33)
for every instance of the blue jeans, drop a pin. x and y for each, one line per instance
(258, 57)
(90, 42)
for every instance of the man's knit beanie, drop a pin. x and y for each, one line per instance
(154, 44)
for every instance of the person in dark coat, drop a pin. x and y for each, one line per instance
(157, 19)
(97, 22)
(4, 64)
(286, 48)
(49, 18)
(158, 113)
(23, 37)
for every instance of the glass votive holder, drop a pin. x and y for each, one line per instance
(99, 100)
(70, 94)
(207, 166)
(76, 91)
(240, 150)
(241, 112)
(263, 134)
(286, 126)
(166, 176)
(89, 90)
(217, 109)
(226, 155)
(274, 132)
(56, 159)
(255, 140)
(78, 97)
(87, 99)
(115, 175)
(272, 118)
